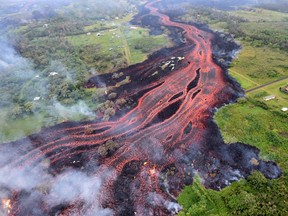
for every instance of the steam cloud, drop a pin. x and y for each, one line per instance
(42, 187)
(12, 62)
(79, 108)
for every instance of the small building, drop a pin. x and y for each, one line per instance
(88, 33)
(284, 89)
(181, 58)
(284, 109)
(53, 73)
(36, 99)
(270, 97)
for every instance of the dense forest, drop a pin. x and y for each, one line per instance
(254, 196)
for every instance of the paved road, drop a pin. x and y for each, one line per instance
(267, 84)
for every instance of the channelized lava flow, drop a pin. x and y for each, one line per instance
(157, 146)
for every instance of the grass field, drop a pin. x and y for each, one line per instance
(259, 65)
(97, 26)
(119, 36)
(273, 89)
(252, 69)
(260, 15)
(276, 27)
(265, 129)
(122, 40)
(18, 128)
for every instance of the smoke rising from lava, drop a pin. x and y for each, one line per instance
(71, 185)
(80, 108)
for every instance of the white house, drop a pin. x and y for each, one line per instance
(53, 73)
(270, 97)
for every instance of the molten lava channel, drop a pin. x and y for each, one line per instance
(158, 146)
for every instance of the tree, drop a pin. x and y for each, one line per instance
(16, 112)
(28, 107)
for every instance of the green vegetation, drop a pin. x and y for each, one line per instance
(254, 196)
(265, 28)
(19, 127)
(259, 65)
(279, 5)
(260, 15)
(128, 45)
(273, 89)
(215, 19)
(257, 27)
(196, 200)
(261, 126)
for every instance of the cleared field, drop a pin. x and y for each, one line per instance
(245, 81)
(109, 24)
(106, 40)
(273, 89)
(260, 15)
(276, 27)
(123, 40)
(259, 65)
(18, 128)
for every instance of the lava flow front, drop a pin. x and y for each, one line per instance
(138, 163)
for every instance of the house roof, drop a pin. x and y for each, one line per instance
(269, 97)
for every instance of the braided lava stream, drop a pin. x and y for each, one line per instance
(158, 145)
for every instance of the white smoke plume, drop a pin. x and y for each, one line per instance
(80, 108)
(12, 62)
(171, 206)
(43, 187)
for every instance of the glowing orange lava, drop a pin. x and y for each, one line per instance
(6, 205)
